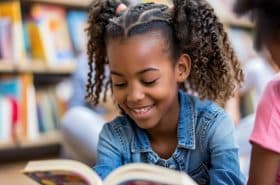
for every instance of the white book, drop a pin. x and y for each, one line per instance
(69, 172)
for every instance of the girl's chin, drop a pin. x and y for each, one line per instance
(146, 124)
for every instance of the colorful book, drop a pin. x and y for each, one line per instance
(11, 10)
(5, 120)
(52, 43)
(6, 49)
(10, 120)
(40, 47)
(66, 172)
(77, 21)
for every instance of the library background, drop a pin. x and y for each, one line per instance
(41, 43)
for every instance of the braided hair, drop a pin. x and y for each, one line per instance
(190, 27)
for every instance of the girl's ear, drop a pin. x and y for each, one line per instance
(183, 68)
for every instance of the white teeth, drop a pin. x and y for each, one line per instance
(142, 110)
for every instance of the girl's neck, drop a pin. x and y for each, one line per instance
(164, 142)
(163, 138)
(168, 125)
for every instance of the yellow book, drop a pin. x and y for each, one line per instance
(51, 28)
(10, 9)
(66, 172)
(38, 50)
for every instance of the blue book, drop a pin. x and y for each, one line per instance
(76, 25)
(10, 87)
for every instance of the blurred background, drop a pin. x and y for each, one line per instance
(43, 71)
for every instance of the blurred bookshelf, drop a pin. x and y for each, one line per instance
(224, 11)
(40, 42)
(46, 145)
(44, 139)
(38, 67)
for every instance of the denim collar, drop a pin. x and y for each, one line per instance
(186, 128)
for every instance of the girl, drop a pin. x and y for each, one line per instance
(265, 139)
(154, 54)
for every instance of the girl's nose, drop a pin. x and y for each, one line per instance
(135, 94)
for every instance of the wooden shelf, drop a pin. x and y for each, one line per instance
(51, 138)
(5, 66)
(8, 145)
(36, 67)
(45, 145)
(29, 153)
(73, 3)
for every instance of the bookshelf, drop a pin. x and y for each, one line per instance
(36, 67)
(31, 67)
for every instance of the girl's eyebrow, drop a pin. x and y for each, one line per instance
(115, 73)
(140, 72)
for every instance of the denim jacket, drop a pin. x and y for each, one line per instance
(206, 148)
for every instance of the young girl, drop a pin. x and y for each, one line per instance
(154, 54)
(265, 138)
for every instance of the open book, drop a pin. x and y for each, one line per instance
(69, 172)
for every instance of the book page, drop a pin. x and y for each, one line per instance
(61, 172)
(147, 174)
(58, 177)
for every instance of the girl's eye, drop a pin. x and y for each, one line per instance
(149, 82)
(119, 85)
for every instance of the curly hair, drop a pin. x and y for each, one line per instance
(266, 15)
(190, 27)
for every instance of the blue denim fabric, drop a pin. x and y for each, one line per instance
(206, 149)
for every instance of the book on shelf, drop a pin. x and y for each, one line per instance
(9, 108)
(6, 39)
(65, 171)
(5, 120)
(18, 104)
(10, 18)
(77, 21)
(48, 34)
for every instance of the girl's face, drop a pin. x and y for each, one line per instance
(144, 79)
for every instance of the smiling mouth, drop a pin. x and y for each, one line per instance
(142, 112)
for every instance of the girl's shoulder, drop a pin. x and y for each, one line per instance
(202, 107)
(204, 114)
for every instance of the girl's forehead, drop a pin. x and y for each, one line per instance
(154, 34)
(137, 52)
(141, 43)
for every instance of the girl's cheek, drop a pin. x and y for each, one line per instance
(118, 96)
